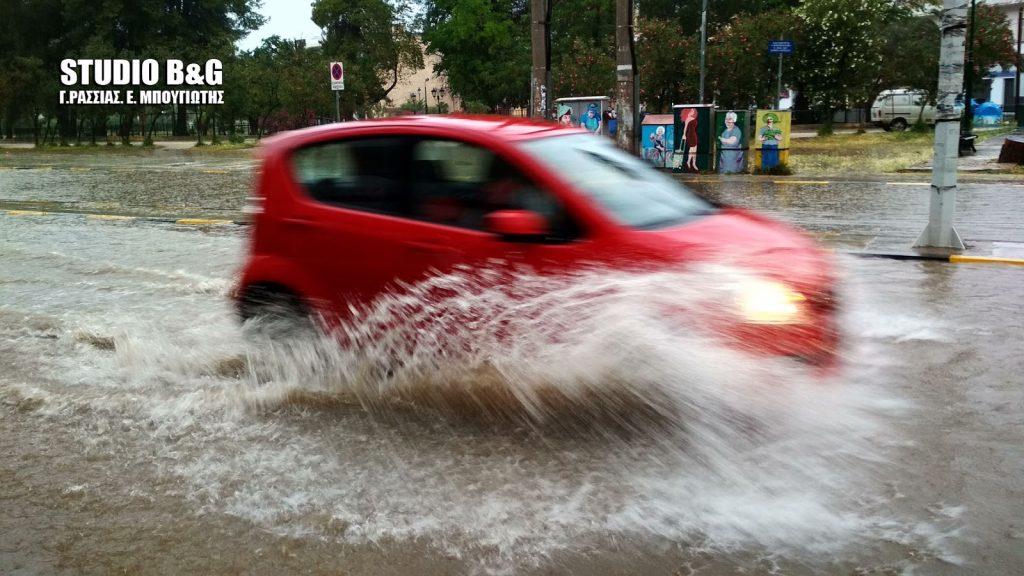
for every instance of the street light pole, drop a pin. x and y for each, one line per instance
(1016, 85)
(703, 46)
(942, 199)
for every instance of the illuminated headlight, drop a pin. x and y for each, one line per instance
(766, 302)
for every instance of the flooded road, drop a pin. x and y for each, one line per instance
(143, 432)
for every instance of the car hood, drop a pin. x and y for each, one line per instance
(741, 238)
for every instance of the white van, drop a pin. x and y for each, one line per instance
(898, 109)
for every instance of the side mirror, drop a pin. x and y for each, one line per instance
(516, 225)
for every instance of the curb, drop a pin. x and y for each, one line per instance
(123, 218)
(952, 259)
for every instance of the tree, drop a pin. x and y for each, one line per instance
(484, 49)
(584, 70)
(741, 71)
(841, 51)
(668, 64)
(993, 43)
(369, 36)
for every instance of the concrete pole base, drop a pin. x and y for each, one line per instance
(950, 241)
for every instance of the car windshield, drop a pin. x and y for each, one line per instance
(633, 192)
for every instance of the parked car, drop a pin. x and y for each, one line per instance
(899, 109)
(345, 212)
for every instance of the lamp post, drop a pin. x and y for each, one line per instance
(438, 94)
(967, 123)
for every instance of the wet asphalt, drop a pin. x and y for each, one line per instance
(136, 440)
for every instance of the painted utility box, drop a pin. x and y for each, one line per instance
(693, 141)
(657, 137)
(771, 138)
(732, 129)
(587, 112)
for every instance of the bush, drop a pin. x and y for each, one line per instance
(475, 107)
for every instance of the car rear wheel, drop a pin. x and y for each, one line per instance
(899, 124)
(275, 311)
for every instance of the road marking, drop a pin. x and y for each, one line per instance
(202, 222)
(962, 259)
(800, 182)
(108, 217)
(211, 171)
(26, 213)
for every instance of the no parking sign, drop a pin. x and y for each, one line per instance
(337, 76)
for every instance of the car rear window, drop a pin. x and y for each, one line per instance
(365, 174)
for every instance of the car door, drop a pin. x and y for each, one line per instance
(351, 231)
(456, 184)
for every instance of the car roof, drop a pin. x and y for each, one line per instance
(503, 127)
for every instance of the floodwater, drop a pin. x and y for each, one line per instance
(144, 432)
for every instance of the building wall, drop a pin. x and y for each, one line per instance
(427, 80)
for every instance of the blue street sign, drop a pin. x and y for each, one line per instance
(780, 46)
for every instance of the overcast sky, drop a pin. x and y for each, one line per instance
(285, 18)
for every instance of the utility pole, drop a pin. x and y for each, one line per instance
(942, 198)
(703, 46)
(625, 76)
(540, 45)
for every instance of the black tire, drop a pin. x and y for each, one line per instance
(898, 124)
(275, 311)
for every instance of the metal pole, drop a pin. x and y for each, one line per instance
(337, 106)
(942, 198)
(703, 46)
(968, 118)
(1016, 85)
(625, 75)
(778, 90)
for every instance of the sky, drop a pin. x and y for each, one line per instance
(288, 19)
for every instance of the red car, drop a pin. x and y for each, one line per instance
(345, 212)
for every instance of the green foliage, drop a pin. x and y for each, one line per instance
(993, 42)
(484, 48)
(585, 70)
(668, 64)
(741, 73)
(474, 107)
(840, 51)
(376, 48)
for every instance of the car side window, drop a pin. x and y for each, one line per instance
(457, 184)
(363, 174)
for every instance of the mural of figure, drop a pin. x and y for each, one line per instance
(690, 141)
(770, 137)
(565, 115)
(591, 121)
(656, 153)
(730, 157)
